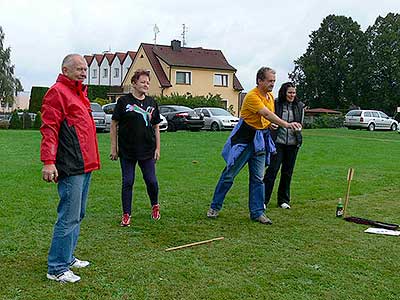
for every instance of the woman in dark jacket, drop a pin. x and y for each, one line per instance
(287, 141)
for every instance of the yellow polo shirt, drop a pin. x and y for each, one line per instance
(252, 104)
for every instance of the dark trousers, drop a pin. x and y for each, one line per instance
(285, 156)
(128, 178)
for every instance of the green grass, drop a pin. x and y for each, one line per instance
(306, 254)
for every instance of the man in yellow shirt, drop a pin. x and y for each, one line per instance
(250, 142)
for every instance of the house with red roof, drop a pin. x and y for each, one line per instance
(182, 70)
(108, 68)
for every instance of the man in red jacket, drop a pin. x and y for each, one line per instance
(69, 153)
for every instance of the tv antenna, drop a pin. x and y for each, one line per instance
(183, 34)
(156, 31)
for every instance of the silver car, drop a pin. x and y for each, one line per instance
(99, 116)
(369, 119)
(109, 109)
(216, 118)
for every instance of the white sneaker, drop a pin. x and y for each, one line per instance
(79, 263)
(285, 206)
(67, 276)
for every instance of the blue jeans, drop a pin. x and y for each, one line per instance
(256, 162)
(73, 192)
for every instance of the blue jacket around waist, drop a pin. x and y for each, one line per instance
(263, 143)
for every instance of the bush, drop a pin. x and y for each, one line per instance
(101, 101)
(26, 121)
(38, 120)
(4, 124)
(15, 121)
(323, 121)
(190, 101)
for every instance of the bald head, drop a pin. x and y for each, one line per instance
(74, 67)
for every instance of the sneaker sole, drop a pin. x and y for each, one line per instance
(54, 278)
(212, 217)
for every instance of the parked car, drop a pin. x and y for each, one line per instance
(216, 118)
(369, 119)
(163, 124)
(109, 109)
(99, 116)
(181, 117)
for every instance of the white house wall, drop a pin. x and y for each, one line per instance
(93, 66)
(86, 81)
(104, 69)
(125, 67)
(116, 64)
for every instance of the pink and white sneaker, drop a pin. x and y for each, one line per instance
(155, 212)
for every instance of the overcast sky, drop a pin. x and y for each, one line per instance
(249, 33)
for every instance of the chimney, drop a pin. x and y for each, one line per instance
(176, 45)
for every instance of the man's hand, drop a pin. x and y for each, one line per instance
(273, 126)
(50, 173)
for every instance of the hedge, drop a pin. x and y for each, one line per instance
(190, 101)
(323, 121)
(38, 92)
(98, 91)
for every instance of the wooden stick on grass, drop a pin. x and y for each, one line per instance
(350, 174)
(194, 244)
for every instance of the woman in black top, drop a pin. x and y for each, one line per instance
(287, 142)
(137, 116)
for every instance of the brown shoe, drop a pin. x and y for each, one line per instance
(263, 219)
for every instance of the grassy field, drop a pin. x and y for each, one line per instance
(306, 254)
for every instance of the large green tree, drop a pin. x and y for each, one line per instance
(9, 85)
(382, 65)
(326, 73)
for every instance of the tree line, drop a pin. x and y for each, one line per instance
(9, 84)
(344, 67)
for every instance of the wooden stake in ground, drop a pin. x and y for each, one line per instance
(194, 244)
(350, 174)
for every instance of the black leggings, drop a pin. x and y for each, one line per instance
(128, 178)
(285, 156)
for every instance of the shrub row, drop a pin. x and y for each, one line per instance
(38, 92)
(323, 121)
(23, 121)
(190, 101)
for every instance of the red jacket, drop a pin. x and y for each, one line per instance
(68, 129)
